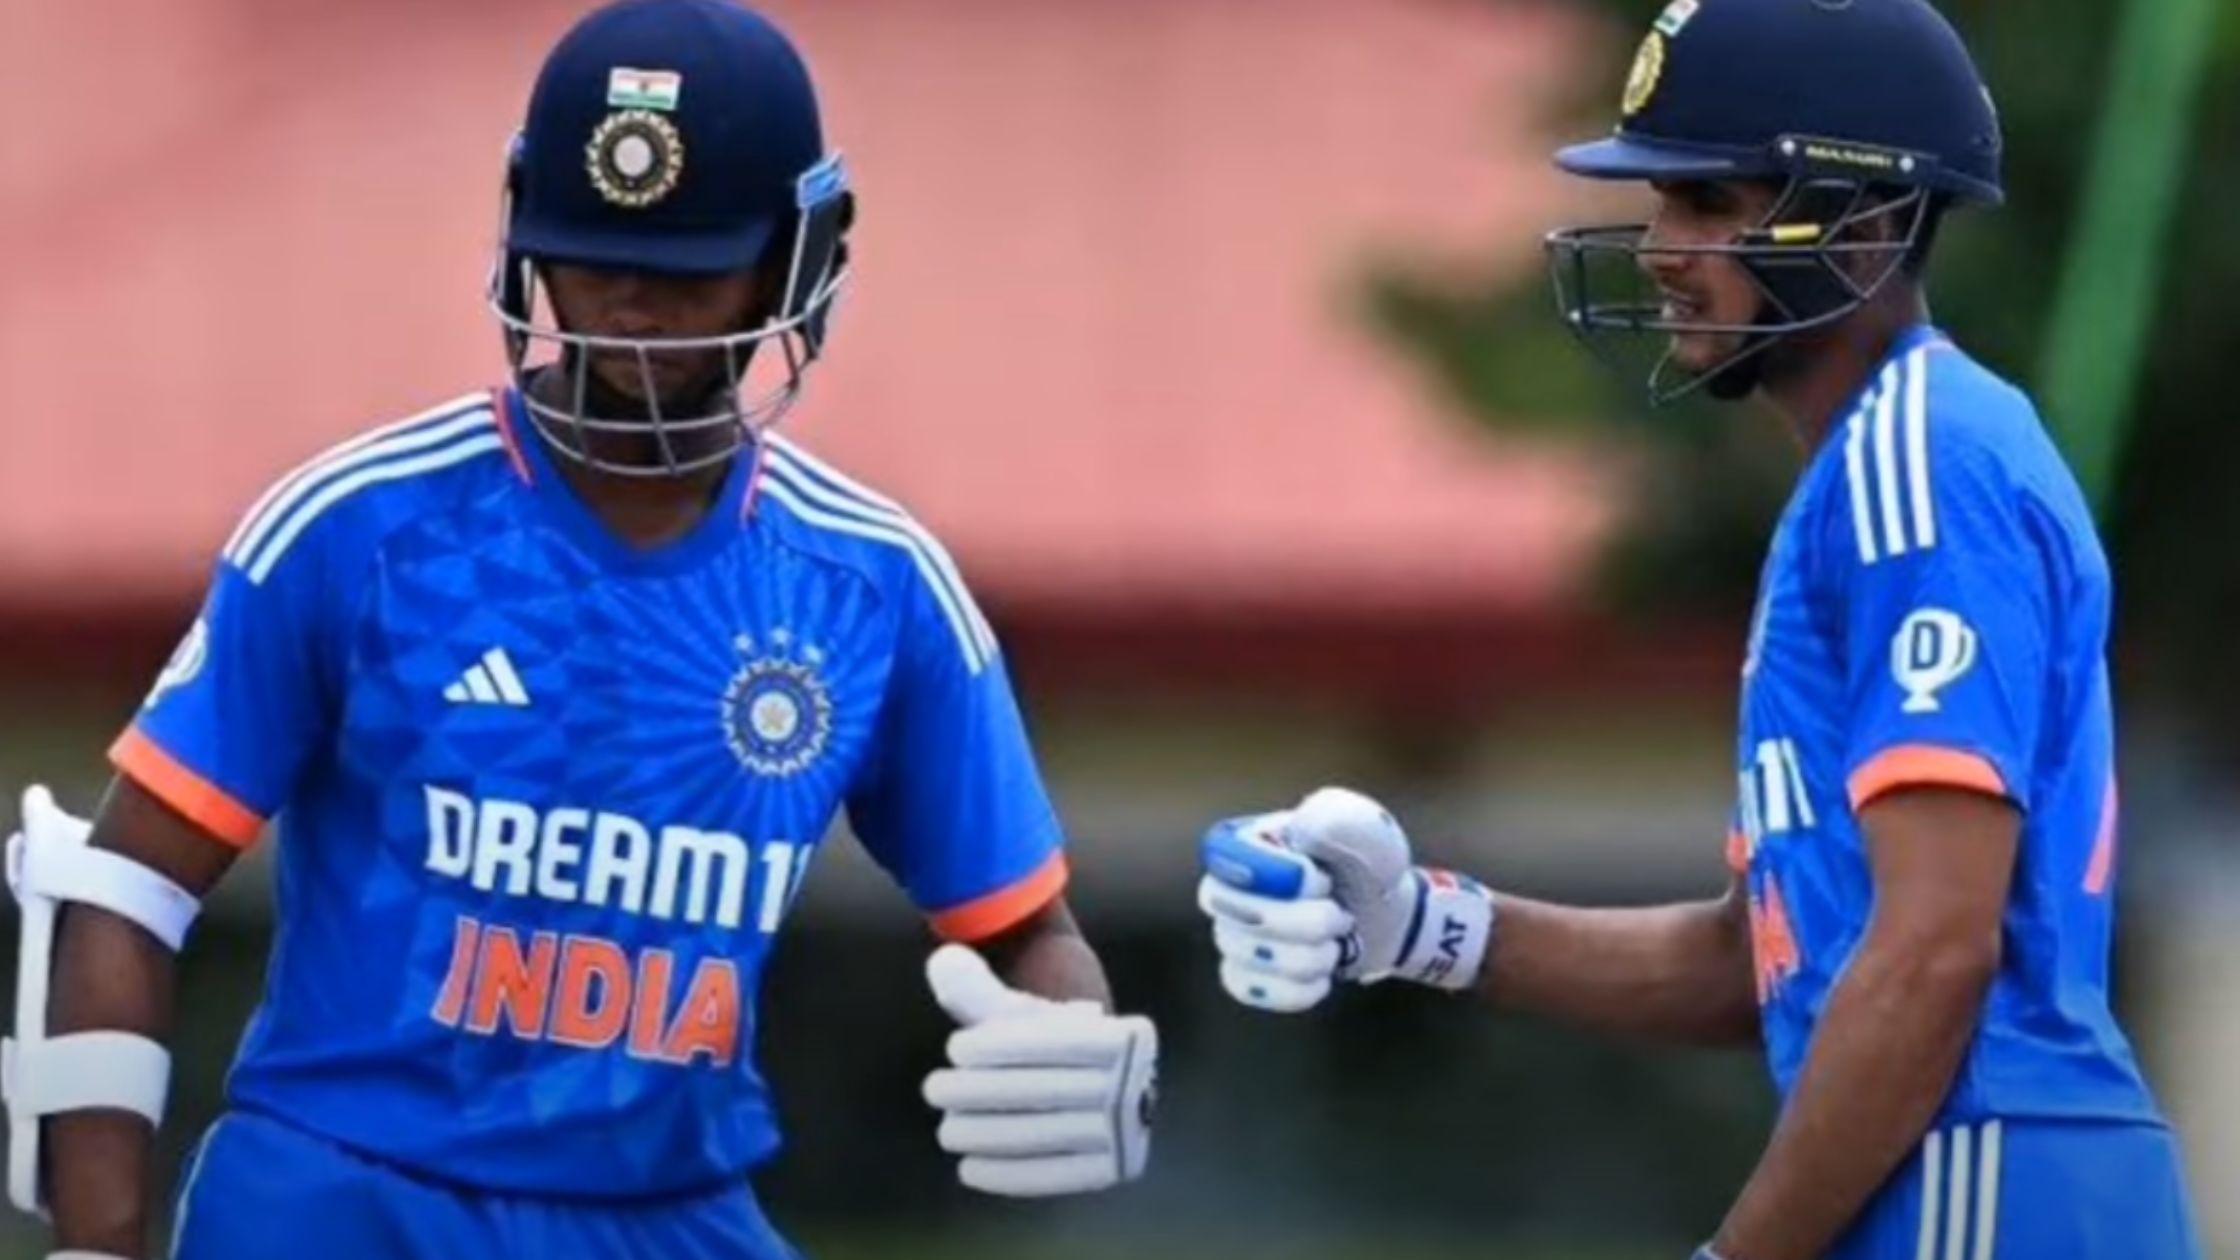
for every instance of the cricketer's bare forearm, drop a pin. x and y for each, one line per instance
(1046, 955)
(1897, 1026)
(1679, 973)
(108, 975)
(1883, 1058)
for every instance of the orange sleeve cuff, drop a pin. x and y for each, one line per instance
(987, 916)
(166, 778)
(1924, 765)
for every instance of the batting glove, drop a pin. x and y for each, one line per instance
(1042, 1097)
(1328, 891)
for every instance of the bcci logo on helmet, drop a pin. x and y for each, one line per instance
(777, 711)
(636, 158)
(1933, 648)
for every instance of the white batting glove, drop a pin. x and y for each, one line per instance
(1043, 1097)
(1328, 891)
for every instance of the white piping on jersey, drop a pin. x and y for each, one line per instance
(834, 487)
(477, 441)
(1855, 467)
(1917, 448)
(1886, 459)
(1946, 1193)
(871, 503)
(781, 487)
(436, 424)
(1881, 522)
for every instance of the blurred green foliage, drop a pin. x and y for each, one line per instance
(1706, 488)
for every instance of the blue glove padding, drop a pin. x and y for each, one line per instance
(1248, 854)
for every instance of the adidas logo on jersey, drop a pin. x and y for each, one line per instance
(491, 680)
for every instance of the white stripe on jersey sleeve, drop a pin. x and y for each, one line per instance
(410, 433)
(1886, 460)
(833, 489)
(780, 484)
(1917, 448)
(461, 449)
(836, 488)
(1855, 468)
(1887, 463)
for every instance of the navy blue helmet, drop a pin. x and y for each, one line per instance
(673, 137)
(1855, 110)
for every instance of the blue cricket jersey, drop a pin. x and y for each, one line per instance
(544, 799)
(1935, 610)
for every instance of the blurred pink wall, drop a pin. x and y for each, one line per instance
(1100, 338)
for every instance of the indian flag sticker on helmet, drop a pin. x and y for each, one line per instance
(636, 157)
(1648, 69)
(644, 89)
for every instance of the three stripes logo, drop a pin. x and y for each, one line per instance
(491, 680)
(1960, 1191)
(1886, 462)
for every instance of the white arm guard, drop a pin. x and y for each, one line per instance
(49, 863)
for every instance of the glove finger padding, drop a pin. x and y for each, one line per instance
(1028, 1128)
(1042, 1097)
(1252, 951)
(1027, 1133)
(1018, 1089)
(1053, 1041)
(1037, 1176)
(1267, 991)
(1309, 922)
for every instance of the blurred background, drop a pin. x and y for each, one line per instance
(1212, 336)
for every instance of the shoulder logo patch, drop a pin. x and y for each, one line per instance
(186, 662)
(1932, 650)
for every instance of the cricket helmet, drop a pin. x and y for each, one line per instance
(1855, 110)
(673, 137)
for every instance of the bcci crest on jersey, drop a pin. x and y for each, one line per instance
(777, 711)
